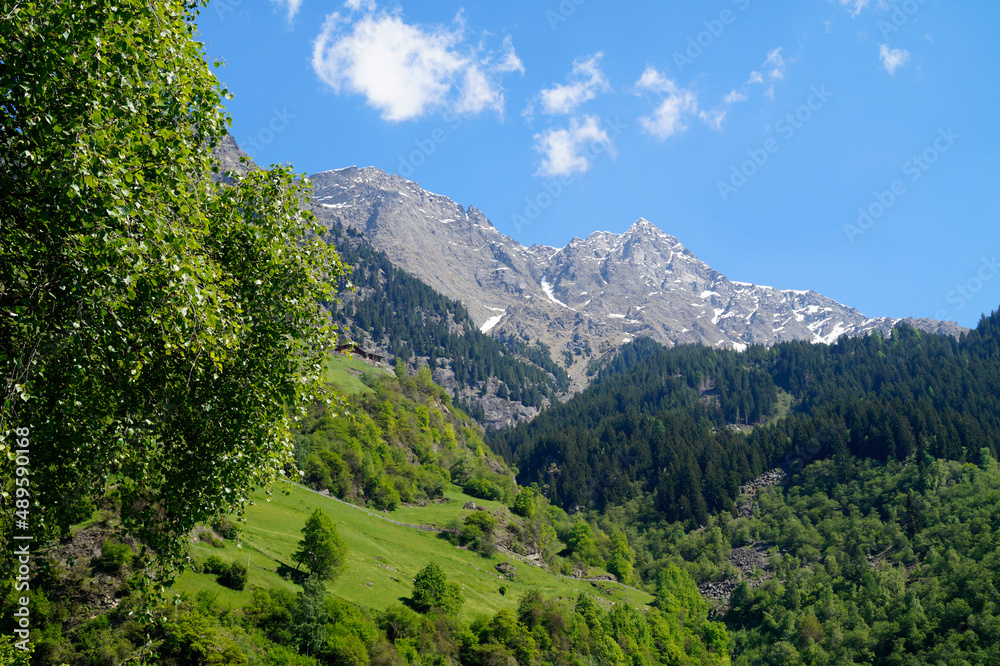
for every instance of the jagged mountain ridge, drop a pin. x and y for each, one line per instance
(589, 297)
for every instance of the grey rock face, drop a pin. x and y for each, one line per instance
(589, 297)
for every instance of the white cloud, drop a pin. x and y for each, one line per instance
(893, 58)
(734, 97)
(653, 80)
(668, 118)
(772, 70)
(678, 104)
(509, 62)
(360, 5)
(586, 81)
(292, 5)
(406, 71)
(714, 118)
(855, 6)
(776, 63)
(564, 151)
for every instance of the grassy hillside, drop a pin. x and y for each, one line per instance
(345, 372)
(383, 557)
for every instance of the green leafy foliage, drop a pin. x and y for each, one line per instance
(478, 532)
(321, 548)
(156, 323)
(622, 559)
(115, 556)
(235, 576)
(214, 565)
(403, 442)
(581, 543)
(13, 655)
(524, 503)
(432, 591)
(897, 565)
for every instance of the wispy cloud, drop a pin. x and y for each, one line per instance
(509, 61)
(585, 82)
(407, 71)
(774, 70)
(292, 7)
(714, 118)
(734, 97)
(893, 59)
(771, 71)
(567, 151)
(855, 7)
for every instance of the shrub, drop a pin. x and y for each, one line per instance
(235, 576)
(225, 528)
(386, 496)
(114, 556)
(524, 505)
(210, 538)
(215, 565)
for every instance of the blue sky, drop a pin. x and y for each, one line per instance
(845, 146)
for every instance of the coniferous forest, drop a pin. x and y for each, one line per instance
(688, 426)
(412, 320)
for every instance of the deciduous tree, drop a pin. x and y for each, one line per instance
(431, 590)
(155, 324)
(321, 548)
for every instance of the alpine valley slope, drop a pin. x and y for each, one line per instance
(587, 298)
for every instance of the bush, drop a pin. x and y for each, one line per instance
(215, 565)
(478, 532)
(386, 496)
(235, 577)
(346, 650)
(482, 487)
(524, 504)
(114, 556)
(225, 528)
(210, 538)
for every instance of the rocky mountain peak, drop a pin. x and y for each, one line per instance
(588, 297)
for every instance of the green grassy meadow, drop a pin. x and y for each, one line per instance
(344, 373)
(383, 557)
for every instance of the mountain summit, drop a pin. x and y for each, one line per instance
(588, 297)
